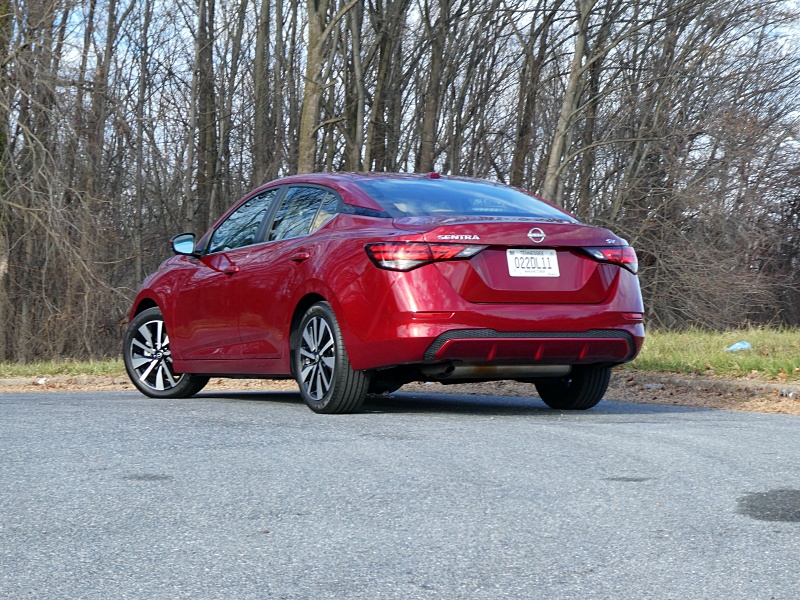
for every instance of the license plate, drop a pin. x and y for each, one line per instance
(532, 263)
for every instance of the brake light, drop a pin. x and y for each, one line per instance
(404, 256)
(624, 256)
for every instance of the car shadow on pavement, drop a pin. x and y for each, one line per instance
(414, 402)
(278, 397)
(409, 402)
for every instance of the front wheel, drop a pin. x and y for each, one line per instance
(327, 382)
(583, 388)
(148, 359)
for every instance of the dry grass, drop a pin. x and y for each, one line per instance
(63, 368)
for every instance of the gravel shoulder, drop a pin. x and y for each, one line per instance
(627, 385)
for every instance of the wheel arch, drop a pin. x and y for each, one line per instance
(300, 309)
(143, 305)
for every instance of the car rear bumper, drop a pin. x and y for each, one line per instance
(485, 346)
(408, 339)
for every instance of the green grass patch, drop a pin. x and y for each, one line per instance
(775, 356)
(63, 368)
(775, 353)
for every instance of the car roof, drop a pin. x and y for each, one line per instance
(346, 183)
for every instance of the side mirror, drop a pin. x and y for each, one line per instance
(183, 243)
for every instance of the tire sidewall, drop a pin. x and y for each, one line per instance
(188, 385)
(581, 390)
(322, 310)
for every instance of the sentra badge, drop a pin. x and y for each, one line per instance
(459, 237)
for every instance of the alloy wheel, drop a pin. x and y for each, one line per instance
(317, 358)
(151, 358)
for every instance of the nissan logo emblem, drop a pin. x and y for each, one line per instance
(536, 235)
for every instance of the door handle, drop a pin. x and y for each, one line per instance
(301, 256)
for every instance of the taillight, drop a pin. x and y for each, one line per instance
(624, 256)
(404, 256)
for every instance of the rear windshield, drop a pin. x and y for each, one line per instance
(439, 197)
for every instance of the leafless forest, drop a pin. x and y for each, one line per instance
(675, 122)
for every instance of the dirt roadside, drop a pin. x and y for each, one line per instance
(627, 385)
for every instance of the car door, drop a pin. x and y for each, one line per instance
(273, 271)
(208, 306)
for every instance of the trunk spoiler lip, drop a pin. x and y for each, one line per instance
(430, 222)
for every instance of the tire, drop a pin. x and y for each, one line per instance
(583, 388)
(148, 361)
(327, 382)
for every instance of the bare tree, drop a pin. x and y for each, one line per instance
(320, 26)
(263, 128)
(674, 122)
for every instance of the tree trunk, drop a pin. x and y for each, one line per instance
(319, 28)
(263, 129)
(388, 21)
(189, 197)
(293, 96)
(312, 94)
(144, 82)
(277, 96)
(430, 114)
(568, 104)
(529, 84)
(5, 42)
(355, 147)
(222, 166)
(207, 148)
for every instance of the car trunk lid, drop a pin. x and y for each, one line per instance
(527, 260)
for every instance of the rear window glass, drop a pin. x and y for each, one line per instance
(435, 197)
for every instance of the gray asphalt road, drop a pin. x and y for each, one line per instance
(251, 495)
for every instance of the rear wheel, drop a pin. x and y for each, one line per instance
(148, 359)
(583, 388)
(327, 382)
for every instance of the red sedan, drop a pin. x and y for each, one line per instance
(359, 283)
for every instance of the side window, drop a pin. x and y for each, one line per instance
(326, 211)
(241, 227)
(298, 211)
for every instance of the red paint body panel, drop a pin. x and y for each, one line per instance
(231, 313)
